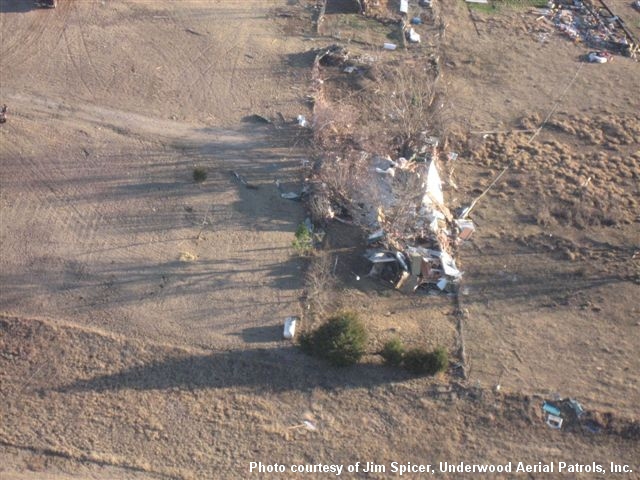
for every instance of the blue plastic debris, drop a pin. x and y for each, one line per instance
(547, 407)
(416, 21)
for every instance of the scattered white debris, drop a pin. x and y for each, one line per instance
(186, 257)
(309, 425)
(413, 36)
(599, 57)
(290, 195)
(389, 171)
(554, 421)
(466, 228)
(290, 327)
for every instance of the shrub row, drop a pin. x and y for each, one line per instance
(342, 341)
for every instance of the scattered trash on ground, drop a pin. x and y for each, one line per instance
(412, 236)
(569, 413)
(599, 57)
(302, 121)
(547, 407)
(415, 249)
(290, 327)
(3, 114)
(305, 424)
(310, 426)
(243, 181)
(413, 36)
(186, 257)
(297, 196)
(554, 421)
(596, 26)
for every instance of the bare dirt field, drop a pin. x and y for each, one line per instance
(141, 312)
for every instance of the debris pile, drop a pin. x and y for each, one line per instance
(597, 27)
(412, 236)
(569, 414)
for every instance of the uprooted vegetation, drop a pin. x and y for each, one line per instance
(383, 108)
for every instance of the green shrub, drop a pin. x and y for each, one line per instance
(393, 352)
(341, 341)
(303, 241)
(199, 174)
(421, 362)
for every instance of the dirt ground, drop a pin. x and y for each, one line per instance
(557, 242)
(142, 312)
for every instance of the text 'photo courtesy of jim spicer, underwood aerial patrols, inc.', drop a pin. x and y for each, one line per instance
(408, 468)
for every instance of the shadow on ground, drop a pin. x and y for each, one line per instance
(279, 369)
(16, 6)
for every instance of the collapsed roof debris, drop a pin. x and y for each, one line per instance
(415, 232)
(400, 203)
(596, 26)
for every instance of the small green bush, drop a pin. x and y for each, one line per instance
(422, 362)
(199, 174)
(393, 352)
(341, 341)
(303, 241)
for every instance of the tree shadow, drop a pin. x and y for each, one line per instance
(17, 6)
(160, 207)
(266, 333)
(342, 7)
(279, 369)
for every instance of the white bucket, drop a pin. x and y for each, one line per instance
(289, 327)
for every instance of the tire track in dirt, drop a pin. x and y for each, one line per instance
(83, 40)
(193, 69)
(76, 67)
(53, 193)
(34, 199)
(41, 171)
(202, 69)
(24, 47)
(12, 54)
